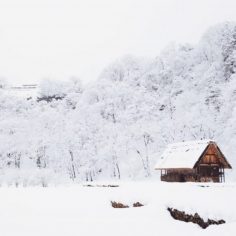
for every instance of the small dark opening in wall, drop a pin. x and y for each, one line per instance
(182, 178)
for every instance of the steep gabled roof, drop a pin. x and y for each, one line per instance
(183, 155)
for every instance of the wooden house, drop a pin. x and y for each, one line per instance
(196, 161)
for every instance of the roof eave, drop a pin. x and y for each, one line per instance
(171, 168)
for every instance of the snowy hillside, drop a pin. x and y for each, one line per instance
(118, 126)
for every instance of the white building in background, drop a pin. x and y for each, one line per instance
(25, 90)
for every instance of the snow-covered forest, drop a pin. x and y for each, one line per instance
(117, 127)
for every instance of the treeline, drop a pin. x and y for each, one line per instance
(118, 126)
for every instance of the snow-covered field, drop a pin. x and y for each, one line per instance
(79, 210)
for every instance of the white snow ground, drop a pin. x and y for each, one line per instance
(78, 210)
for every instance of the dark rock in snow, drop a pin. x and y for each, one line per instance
(196, 219)
(137, 204)
(118, 205)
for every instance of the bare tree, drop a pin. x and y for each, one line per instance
(147, 140)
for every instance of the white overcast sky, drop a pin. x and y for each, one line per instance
(63, 38)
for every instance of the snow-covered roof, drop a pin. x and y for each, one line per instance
(182, 155)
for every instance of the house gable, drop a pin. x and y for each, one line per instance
(212, 155)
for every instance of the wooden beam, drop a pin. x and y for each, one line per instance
(224, 173)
